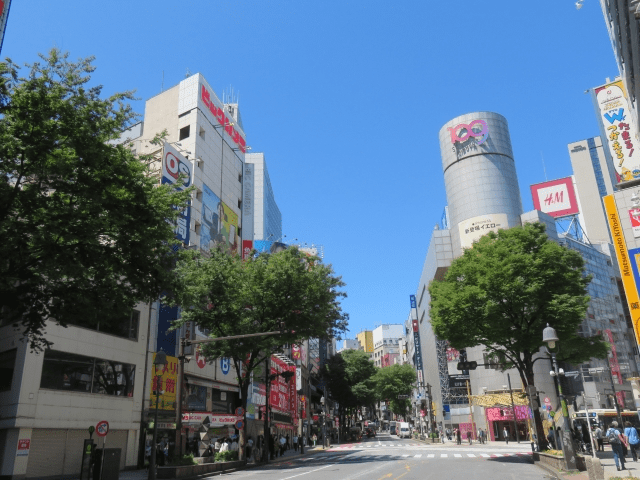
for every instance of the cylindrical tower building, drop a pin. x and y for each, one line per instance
(479, 176)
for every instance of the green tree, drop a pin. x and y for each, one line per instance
(230, 296)
(501, 294)
(393, 381)
(83, 230)
(350, 378)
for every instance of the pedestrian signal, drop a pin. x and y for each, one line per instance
(467, 365)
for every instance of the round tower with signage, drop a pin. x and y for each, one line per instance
(480, 177)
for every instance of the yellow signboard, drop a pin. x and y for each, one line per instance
(166, 382)
(624, 262)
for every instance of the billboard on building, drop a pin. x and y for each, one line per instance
(472, 229)
(176, 170)
(247, 201)
(555, 197)
(219, 222)
(625, 262)
(620, 129)
(164, 381)
(4, 16)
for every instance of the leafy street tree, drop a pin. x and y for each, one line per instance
(286, 291)
(393, 381)
(501, 294)
(350, 378)
(83, 230)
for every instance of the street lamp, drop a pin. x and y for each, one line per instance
(550, 337)
(160, 361)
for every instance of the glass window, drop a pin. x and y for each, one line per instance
(127, 328)
(7, 365)
(68, 371)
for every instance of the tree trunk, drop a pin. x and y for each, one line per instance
(537, 419)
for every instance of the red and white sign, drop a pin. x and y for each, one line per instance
(547, 400)
(102, 428)
(634, 215)
(215, 419)
(556, 197)
(218, 113)
(247, 246)
(279, 392)
(201, 361)
(24, 444)
(416, 325)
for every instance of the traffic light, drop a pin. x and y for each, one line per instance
(467, 365)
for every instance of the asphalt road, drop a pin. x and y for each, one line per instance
(388, 457)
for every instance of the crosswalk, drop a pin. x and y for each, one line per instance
(354, 457)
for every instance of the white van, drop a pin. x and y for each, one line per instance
(404, 431)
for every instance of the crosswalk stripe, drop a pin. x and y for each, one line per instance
(405, 455)
(457, 455)
(471, 455)
(485, 455)
(431, 455)
(417, 456)
(443, 455)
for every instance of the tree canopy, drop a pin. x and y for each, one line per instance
(83, 230)
(393, 381)
(350, 378)
(503, 292)
(229, 296)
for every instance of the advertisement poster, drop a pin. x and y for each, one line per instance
(173, 166)
(196, 397)
(621, 132)
(279, 390)
(165, 381)
(219, 222)
(474, 228)
(634, 215)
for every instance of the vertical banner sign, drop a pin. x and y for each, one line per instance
(174, 165)
(247, 203)
(293, 394)
(634, 215)
(416, 337)
(625, 262)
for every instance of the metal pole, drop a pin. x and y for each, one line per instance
(567, 441)
(152, 467)
(267, 433)
(615, 398)
(513, 409)
(586, 409)
(179, 396)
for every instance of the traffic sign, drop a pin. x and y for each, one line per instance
(547, 400)
(102, 428)
(239, 424)
(239, 411)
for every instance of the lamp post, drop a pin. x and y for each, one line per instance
(160, 360)
(550, 337)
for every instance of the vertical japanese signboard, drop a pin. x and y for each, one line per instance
(174, 165)
(624, 262)
(416, 337)
(165, 381)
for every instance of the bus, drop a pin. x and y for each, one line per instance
(602, 418)
(392, 428)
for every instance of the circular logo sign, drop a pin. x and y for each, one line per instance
(102, 428)
(239, 424)
(239, 411)
(547, 400)
(200, 360)
(225, 365)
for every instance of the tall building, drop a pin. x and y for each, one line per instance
(593, 180)
(386, 344)
(621, 18)
(267, 219)
(347, 344)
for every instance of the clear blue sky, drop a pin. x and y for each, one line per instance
(346, 99)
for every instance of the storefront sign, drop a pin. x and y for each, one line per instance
(477, 129)
(624, 262)
(634, 215)
(213, 419)
(165, 382)
(24, 444)
(226, 122)
(473, 228)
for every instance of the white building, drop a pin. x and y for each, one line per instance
(347, 344)
(386, 340)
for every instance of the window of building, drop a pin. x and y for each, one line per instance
(127, 328)
(7, 366)
(78, 373)
(185, 132)
(202, 133)
(239, 203)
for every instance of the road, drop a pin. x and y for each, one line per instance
(388, 457)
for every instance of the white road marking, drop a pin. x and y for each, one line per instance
(431, 455)
(457, 455)
(471, 455)
(310, 471)
(417, 456)
(443, 455)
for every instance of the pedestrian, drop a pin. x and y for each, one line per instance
(272, 446)
(449, 434)
(288, 442)
(634, 441)
(458, 436)
(295, 442)
(249, 449)
(599, 439)
(551, 438)
(480, 435)
(283, 445)
(505, 434)
(470, 436)
(314, 438)
(616, 440)
(234, 447)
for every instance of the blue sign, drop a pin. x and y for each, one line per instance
(412, 299)
(225, 365)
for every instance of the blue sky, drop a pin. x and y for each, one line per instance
(346, 99)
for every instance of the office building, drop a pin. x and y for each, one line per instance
(267, 219)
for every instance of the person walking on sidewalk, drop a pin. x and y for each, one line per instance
(599, 439)
(634, 441)
(295, 442)
(616, 440)
(458, 436)
(505, 434)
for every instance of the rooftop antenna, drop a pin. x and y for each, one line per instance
(162, 87)
(188, 73)
(544, 169)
